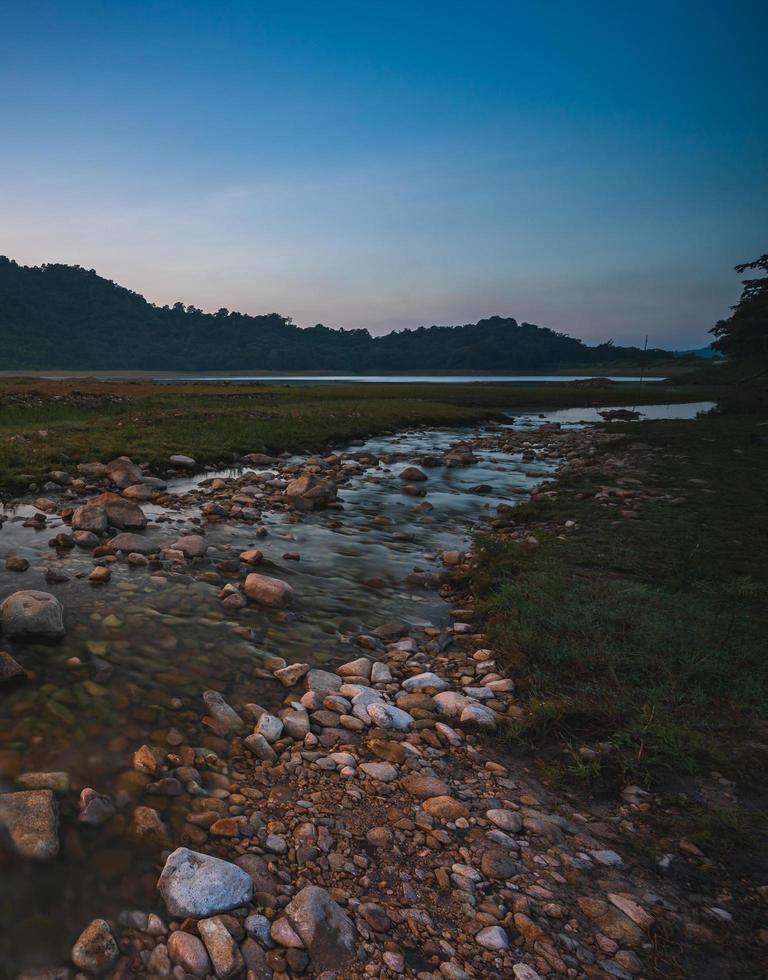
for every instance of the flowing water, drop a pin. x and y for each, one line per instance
(139, 652)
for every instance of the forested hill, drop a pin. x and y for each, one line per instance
(60, 317)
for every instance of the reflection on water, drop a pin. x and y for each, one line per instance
(138, 653)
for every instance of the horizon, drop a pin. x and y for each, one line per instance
(596, 171)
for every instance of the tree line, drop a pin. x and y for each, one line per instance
(62, 317)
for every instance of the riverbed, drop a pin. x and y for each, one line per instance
(139, 651)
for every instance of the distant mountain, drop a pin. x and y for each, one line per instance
(706, 352)
(61, 317)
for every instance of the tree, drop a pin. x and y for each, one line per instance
(745, 333)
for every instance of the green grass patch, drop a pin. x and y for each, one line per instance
(50, 424)
(647, 634)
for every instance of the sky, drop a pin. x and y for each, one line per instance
(594, 167)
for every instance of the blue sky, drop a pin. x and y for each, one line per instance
(593, 167)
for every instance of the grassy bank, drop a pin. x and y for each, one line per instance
(47, 424)
(648, 632)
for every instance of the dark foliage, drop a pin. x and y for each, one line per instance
(744, 335)
(66, 317)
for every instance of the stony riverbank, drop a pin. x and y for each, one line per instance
(367, 818)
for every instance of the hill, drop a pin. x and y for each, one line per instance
(61, 317)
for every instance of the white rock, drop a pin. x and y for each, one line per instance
(201, 885)
(426, 682)
(388, 716)
(493, 937)
(269, 726)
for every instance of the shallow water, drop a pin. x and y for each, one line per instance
(144, 640)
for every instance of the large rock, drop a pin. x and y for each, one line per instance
(123, 472)
(132, 543)
(309, 492)
(268, 591)
(201, 885)
(121, 513)
(95, 950)
(324, 927)
(191, 546)
(90, 517)
(32, 614)
(31, 821)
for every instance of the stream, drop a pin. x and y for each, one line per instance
(139, 651)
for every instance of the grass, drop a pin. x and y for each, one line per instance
(55, 427)
(647, 634)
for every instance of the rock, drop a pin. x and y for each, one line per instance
(101, 573)
(506, 820)
(95, 950)
(191, 546)
(478, 716)
(356, 668)
(253, 557)
(269, 726)
(260, 747)
(189, 953)
(427, 682)
(268, 591)
(94, 470)
(132, 544)
(296, 723)
(375, 916)
(309, 492)
(412, 474)
(324, 927)
(283, 933)
(11, 673)
(612, 921)
(323, 681)
(95, 809)
(85, 539)
(90, 518)
(422, 787)
(182, 461)
(201, 885)
(140, 491)
(450, 703)
(493, 937)
(445, 808)
(148, 828)
(380, 673)
(292, 674)
(123, 472)
(30, 614)
(498, 864)
(222, 949)
(522, 971)
(56, 782)
(388, 716)
(14, 564)
(384, 772)
(120, 512)
(31, 820)
(223, 712)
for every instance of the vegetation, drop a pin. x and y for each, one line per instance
(744, 335)
(50, 424)
(647, 634)
(59, 317)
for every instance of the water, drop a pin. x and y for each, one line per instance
(144, 640)
(307, 379)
